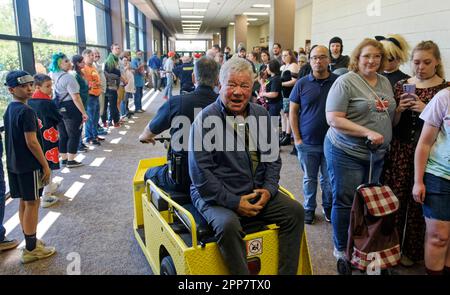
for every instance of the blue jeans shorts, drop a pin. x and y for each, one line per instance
(437, 198)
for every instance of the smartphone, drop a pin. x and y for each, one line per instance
(409, 88)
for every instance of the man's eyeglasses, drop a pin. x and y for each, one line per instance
(320, 57)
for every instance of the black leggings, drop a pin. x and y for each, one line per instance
(69, 128)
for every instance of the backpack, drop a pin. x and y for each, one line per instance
(57, 99)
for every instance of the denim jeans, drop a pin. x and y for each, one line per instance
(169, 86)
(138, 98)
(312, 160)
(124, 110)
(156, 80)
(93, 111)
(2, 195)
(111, 99)
(70, 128)
(346, 174)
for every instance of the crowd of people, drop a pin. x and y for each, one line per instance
(329, 106)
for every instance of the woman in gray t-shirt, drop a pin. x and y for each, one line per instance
(360, 107)
(71, 108)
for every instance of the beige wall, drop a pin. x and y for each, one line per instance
(157, 37)
(416, 20)
(264, 33)
(303, 21)
(252, 37)
(230, 38)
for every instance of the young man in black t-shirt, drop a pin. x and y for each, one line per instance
(28, 170)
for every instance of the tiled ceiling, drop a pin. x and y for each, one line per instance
(217, 14)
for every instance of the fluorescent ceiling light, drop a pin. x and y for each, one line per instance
(231, 24)
(193, 9)
(192, 21)
(256, 13)
(192, 16)
(195, 1)
(261, 6)
(252, 19)
(191, 26)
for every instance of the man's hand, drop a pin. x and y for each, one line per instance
(246, 209)
(146, 139)
(46, 173)
(265, 197)
(85, 117)
(298, 141)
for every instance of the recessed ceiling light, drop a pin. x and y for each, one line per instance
(261, 6)
(192, 21)
(192, 16)
(256, 13)
(192, 9)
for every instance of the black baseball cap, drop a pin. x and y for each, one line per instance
(17, 78)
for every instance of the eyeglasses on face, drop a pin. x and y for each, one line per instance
(320, 57)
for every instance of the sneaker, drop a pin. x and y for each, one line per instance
(8, 244)
(294, 151)
(63, 162)
(94, 142)
(102, 131)
(48, 201)
(116, 125)
(338, 254)
(74, 164)
(40, 252)
(100, 138)
(140, 111)
(309, 216)
(286, 140)
(82, 149)
(327, 214)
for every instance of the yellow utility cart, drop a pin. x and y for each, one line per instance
(175, 241)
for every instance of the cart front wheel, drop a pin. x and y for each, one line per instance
(167, 267)
(344, 267)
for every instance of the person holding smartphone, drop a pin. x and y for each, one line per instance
(412, 95)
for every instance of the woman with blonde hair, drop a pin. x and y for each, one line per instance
(412, 95)
(360, 107)
(397, 50)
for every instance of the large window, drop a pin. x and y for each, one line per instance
(9, 60)
(43, 54)
(94, 24)
(136, 26)
(53, 20)
(7, 21)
